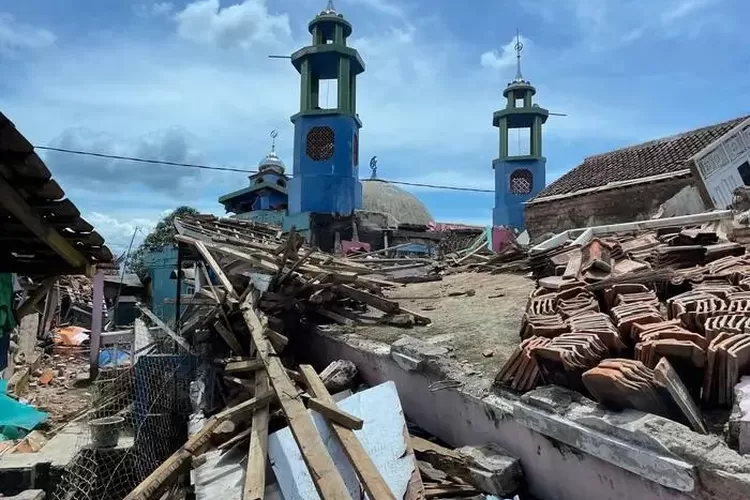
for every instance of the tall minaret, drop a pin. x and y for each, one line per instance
(326, 129)
(522, 175)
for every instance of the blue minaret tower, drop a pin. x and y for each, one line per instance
(522, 175)
(326, 129)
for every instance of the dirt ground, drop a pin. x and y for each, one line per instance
(468, 324)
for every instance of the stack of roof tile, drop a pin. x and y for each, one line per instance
(726, 323)
(626, 316)
(601, 325)
(521, 372)
(728, 360)
(625, 383)
(678, 257)
(566, 357)
(543, 326)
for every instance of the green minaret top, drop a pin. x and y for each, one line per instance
(520, 111)
(328, 58)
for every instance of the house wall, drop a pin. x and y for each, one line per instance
(630, 203)
(160, 264)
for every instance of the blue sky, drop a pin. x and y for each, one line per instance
(190, 81)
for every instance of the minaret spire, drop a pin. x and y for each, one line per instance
(274, 134)
(519, 49)
(330, 9)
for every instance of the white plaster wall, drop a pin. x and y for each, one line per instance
(553, 471)
(717, 164)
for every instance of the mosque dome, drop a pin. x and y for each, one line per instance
(382, 196)
(272, 162)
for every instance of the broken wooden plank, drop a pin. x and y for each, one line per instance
(331, 412)
(380, 303)
(368, 474)
(228, 336)
(158, 322)
(328, 481)
(255, 475)
(249, 365)
(201, 247)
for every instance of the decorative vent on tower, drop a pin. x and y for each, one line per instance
(521, 181)
(320, 143)
(355, 150)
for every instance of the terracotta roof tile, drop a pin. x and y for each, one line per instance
(661, 156)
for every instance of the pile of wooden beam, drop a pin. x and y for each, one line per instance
(256, 289)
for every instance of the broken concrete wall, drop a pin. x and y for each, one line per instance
(630, 203)
(686, 201)
(556, 438)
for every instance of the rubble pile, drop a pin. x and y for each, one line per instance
(260, 293)
(655, 321)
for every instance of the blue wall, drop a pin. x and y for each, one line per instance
(509, 207)
(331, 186)
(160, 264)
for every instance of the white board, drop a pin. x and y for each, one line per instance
(383, 437)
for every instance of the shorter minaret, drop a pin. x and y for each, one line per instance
(519, 175)
(267, 191)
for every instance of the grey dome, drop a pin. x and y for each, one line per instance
(384, 197)
(272, 162)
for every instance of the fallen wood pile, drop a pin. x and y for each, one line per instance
(262, 293)
(673, 336)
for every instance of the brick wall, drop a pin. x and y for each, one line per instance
(606, 207)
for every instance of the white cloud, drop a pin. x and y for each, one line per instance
(118, 232)
(383, 6)
(15, 36)
(505, 57)
(238, 25)
(611, 24)
(157, 9)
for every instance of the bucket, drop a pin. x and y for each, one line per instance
(105, 432)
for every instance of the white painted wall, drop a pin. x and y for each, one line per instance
(717, 164)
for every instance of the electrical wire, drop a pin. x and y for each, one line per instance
(232, 169)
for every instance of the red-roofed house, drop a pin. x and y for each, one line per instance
(632, 183)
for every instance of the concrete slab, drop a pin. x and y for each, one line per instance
(492, 469)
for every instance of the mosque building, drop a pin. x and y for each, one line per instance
(324, 199)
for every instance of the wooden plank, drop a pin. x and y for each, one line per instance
(250, 365)
(228, 337)
(216, 268)
(155, 319)
(332, 413)
(368, 474)
(255, 475)
(30, 303)
(328, 481)
(380, 303)
(96, 323)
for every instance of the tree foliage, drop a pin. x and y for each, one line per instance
(161, 237)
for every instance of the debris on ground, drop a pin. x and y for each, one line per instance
(264, 290)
